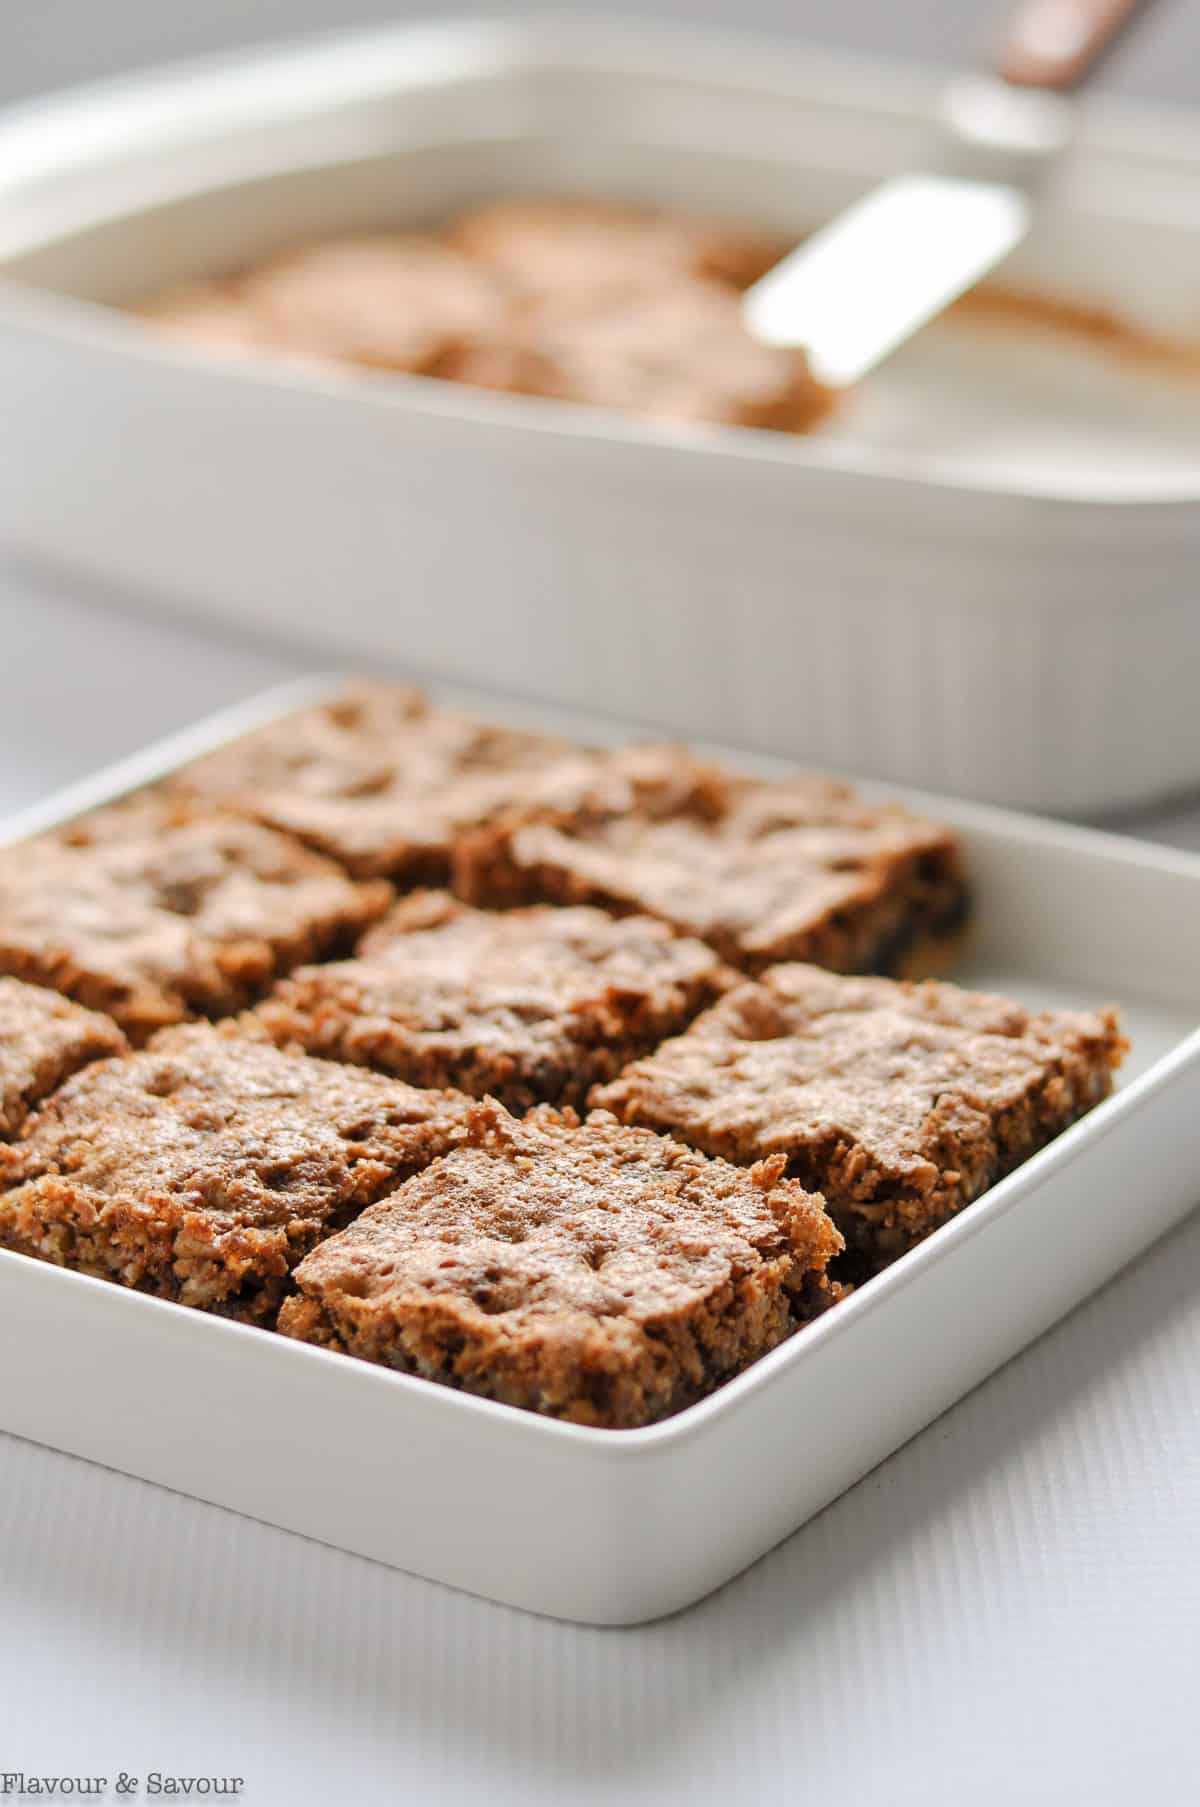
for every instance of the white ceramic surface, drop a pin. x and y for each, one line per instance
(613, 1528)
(981, 578)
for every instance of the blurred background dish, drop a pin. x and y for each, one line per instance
(977, 575)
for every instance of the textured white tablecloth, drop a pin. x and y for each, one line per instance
(1006, 1612)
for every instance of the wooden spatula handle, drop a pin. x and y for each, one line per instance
(1057, 43)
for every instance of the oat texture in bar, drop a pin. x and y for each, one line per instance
(202, 1170)
(44, 1038)
(158, 909)
(592, 1273)
(532, 1006)
(386, 782)
(799, 870)
(377, 778)
(899, 1102)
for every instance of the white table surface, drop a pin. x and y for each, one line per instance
(1008, 1611)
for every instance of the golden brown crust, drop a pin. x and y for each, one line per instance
(43, 1040)
(593, 1273)
(900, 1102)
(203, 1169)
(803, 870)
(158, 909)
(529, 1005)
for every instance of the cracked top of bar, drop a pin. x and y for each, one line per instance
(801, 869)
(530, 1005)
(44, 1038)
(158, 908)
(383, 781)
(592, 1272)
(899, 1102)
(211, 1161)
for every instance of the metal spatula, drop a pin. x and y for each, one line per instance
(865, 283)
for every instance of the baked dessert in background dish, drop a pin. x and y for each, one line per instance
(900, 1103)
(628, 308)
(385, 783)
(800, 870)
(44, 1038)
(678, 353)
(392, 301)
(530, 1005)
(589, 1272)
(157, 909)
(553, 248)
(203, 1169)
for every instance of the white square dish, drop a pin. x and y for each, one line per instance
(980, 578)
(614, 1527)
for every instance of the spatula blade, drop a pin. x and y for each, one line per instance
(865, 283)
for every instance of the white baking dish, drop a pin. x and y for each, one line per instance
(613, 1527)
(982, 578)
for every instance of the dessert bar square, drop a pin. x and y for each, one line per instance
(43, 1040)
(901, 1103)
(154, 910)
(385, 783)
(802, 870)
(532, 1005)
(594, 1273)
(376, 779)
(202, 1169)
(347, 746)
